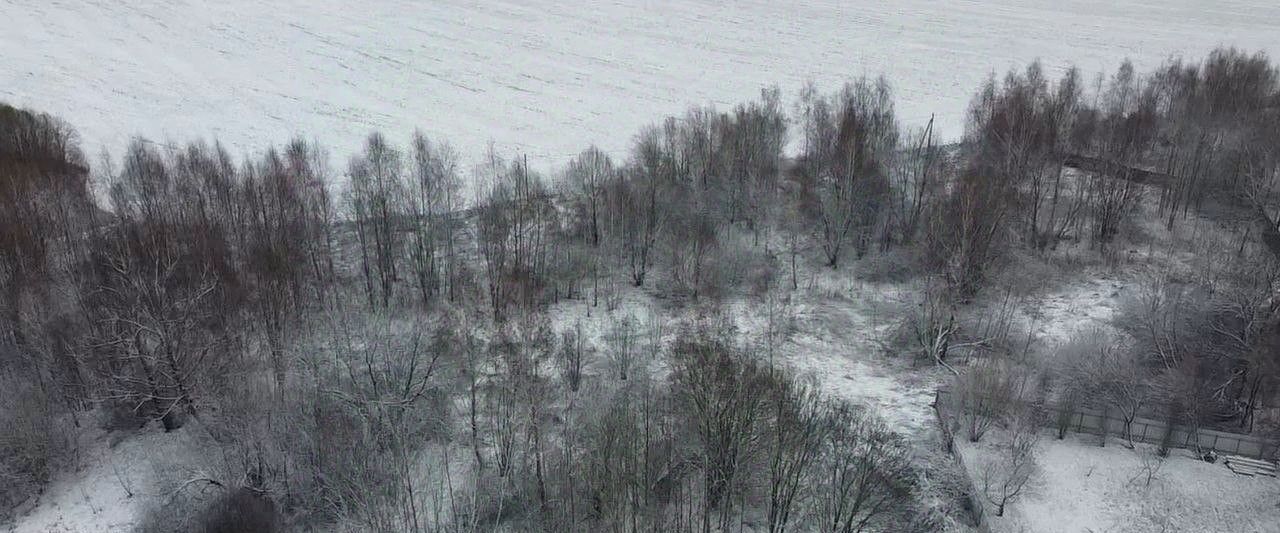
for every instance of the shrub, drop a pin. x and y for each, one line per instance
(223, 511)
(238, 511)
(120, 416)
(31, 442)
(988, 393)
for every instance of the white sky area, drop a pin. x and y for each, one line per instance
(541, 77)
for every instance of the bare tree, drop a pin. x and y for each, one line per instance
(622, 343)
(375, 201)
(537, 342)
(163, 289)
(966, 236)
(934, 327)
(654, 335)
(693, 242)
(46, 212)
(1071, 388)
(379, 392)
(1213, 121)
(310, 163)
(161, 330)
(1021, 132)
(1159, 316)
(718, 388)
(463, 333)
(637, 214)
(734, 158)
(794, 226)
(573, 346)
(612, 463)
(1150, 464)
(516, 222)
(432, 201)
(917, 174)
(848, 145)
(795, 440)
(780, 322)
(281, 240)
(987, 393)
(589, 175)
(1121, 381)
(1017, 136)
(632, 468)
(865, 472)
(1008, 476)
(505, 419)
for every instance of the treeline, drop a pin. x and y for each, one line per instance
(268, 303)
(248, 297)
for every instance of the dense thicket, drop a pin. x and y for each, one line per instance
(297, 320)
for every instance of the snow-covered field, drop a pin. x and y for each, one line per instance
(546, 77)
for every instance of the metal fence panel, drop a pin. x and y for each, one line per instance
(1087, 420)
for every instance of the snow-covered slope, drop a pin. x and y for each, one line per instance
(546, 77)
(112, 476)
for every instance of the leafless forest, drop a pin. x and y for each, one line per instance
(366, 342)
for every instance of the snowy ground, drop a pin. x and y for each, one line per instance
(112, 476)
(1081, 487)
(841, 338)
(1080, 291)
(543, 76)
